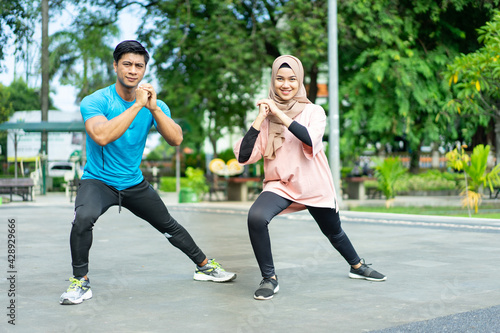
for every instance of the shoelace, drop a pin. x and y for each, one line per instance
(74, 284)
(216, 265)
(363, 263)
(264, 280)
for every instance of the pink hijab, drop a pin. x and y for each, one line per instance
(291, 108)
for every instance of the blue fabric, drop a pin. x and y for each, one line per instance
(117, 163)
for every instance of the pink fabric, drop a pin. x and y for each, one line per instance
(299, 173)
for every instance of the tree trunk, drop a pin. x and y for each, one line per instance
(415, 160)
(313, 83)
(214, 145)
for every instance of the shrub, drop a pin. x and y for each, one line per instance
(431, 180)
(388, 171)
(196, 181)
(168, 184)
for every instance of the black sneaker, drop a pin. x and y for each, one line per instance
(267, 288)
(366, 273)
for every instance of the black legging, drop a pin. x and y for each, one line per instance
(268, 205)
(94, 198)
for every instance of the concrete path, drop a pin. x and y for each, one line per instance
(442, 273)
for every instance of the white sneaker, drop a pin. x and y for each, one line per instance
(213, 271)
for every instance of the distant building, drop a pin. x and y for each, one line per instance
(60, 144)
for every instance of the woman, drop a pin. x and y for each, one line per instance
(288, 133)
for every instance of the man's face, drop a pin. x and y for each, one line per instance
(130, 69)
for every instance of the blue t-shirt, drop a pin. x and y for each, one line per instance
(117, 163)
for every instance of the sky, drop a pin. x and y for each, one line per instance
(64, 96)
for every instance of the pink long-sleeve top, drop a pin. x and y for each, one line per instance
(299, 172)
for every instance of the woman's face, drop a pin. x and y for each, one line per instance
(286, 83)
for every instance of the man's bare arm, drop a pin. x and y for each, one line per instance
(104, 131)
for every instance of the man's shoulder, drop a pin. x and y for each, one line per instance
(99, 95)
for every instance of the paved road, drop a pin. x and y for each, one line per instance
(442, 274)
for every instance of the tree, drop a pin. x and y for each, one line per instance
(205, 64)
(16, 23)
(306, 36)
(16, 97)
(296, 27)
(6, 108)
(393, 54)
(24, 98)
(475, 78)
(212, 54)
(82, 55)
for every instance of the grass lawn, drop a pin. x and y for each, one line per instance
(485, 211)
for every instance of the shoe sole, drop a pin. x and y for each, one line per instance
(86, 296)
(204, 277)
(262, 298)
(361, 277)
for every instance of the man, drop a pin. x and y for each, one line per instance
(117, 120)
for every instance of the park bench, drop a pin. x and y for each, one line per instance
(356, 189)
(22, 187)
(238, 188)
(217, 187)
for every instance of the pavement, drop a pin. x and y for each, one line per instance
(442, 272)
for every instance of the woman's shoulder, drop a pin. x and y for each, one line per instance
(314, 107)
(314, 110)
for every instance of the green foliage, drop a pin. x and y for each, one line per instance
(427, 210)
(388, 171)
(476, 76)
(169, 184)
(24, 98)
(393, 57)
(209, 58)
(475, 172)
(196, 181)
(431, 180)
(162, 152)
(475, 80)
(205, 64)
(6, 108)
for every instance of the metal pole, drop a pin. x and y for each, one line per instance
(178, 170)
(333, 97)
(15, 154)
(45, 86)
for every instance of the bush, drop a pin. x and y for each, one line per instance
(431, 180)
(195, 180)
(168, 184)
(388, 171)
(57, 184)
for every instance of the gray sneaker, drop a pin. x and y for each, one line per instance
(78, 291)
(213, 271)
(267, 288)
(366, 273)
